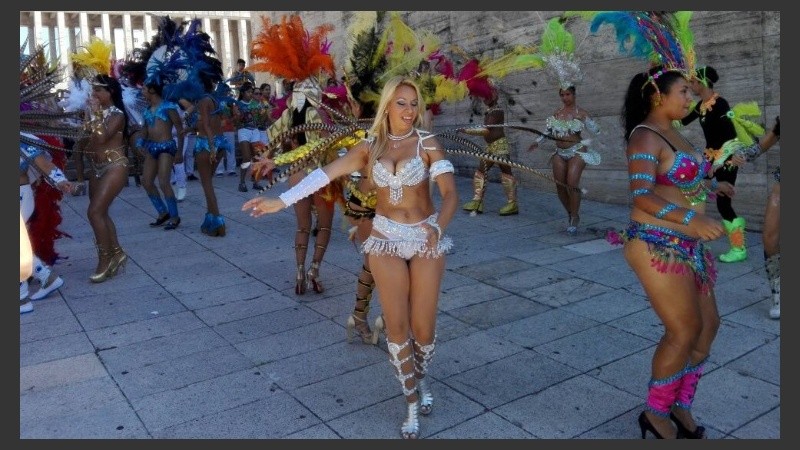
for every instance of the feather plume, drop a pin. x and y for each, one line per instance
(742, 115)
(96, 57)
(287, 50)
(649, 35)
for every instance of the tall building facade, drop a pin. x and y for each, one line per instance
(63, 32)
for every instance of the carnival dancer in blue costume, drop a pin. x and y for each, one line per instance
(664, 241)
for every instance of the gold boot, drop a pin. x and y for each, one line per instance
(104, 270)
(478, 188)
(510, 187)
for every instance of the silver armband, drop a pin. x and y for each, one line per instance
(313, 182)
(591, 125)
(439, 167)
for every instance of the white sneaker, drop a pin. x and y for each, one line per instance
(45, 290)
(775, 311)
(181, 194)
(25, 306)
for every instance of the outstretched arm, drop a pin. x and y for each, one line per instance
(352, 161)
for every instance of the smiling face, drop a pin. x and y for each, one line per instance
(677, 99)
(403, 110)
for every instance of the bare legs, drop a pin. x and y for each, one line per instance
(409, 295)
(168, 207)
(690, 322)
(102, 192)
(569, 172)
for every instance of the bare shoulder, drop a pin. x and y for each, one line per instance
(643, 140)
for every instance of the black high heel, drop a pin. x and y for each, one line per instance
(645, 425)
(162, 219)
(684, 433)
(173, 224)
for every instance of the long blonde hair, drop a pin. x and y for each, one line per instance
(380, 126)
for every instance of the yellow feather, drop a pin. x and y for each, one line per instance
(97, 56)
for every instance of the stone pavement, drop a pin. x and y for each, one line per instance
(540, 334)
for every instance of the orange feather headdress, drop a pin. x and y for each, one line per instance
(287, 50)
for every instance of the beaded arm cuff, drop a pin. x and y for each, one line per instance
(440, 167)
(591, 125)
(313, 182)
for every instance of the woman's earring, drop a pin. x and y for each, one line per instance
(657, 99)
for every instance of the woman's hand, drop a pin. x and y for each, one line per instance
(263, 168)
(66, 187)
(726, 189)
(706, 228)
(262, 205)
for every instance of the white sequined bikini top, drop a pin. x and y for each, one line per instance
(412, 173)
(561, 128)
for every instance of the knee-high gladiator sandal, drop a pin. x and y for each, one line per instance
(357, 322)
(319, 253)
(404, 372)
(300, 255)
(422, 357)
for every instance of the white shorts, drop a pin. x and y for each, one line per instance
(248, 135)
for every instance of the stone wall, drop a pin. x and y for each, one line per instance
(744, 47)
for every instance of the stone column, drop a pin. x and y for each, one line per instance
(148, 27)
(83, 20)
(33, 41)
(106, 21)
(63, 42)
(244, 42)
(127, 30)
(225, 55)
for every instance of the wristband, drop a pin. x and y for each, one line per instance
(56, 175)
(688, 216)
(312, 182)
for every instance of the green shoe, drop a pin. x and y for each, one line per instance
(509, 209)
(474, 205)
(735, 254)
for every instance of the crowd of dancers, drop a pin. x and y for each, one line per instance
(366, 143)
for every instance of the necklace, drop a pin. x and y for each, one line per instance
(397, 139)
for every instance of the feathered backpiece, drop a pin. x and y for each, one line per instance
(404, 48)
(192, 63)
(287, 50)
(135, 68)
(363, 69)
(557, 50)
(481, 76)
(652, 35)
(39, 112)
